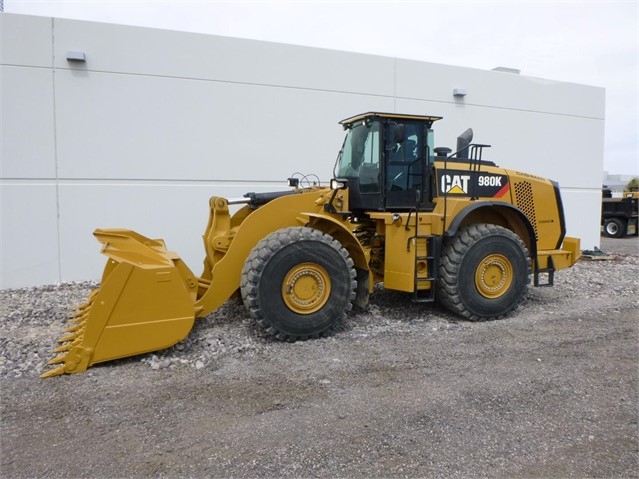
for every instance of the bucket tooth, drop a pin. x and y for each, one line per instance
(64, 348)
(75, 360)
(82, 311)
(70, 337)
(53, 372)
(90, 298)
(57, 359)
(73, 328)
(74, 357)
(78, 319)
(80, 314)
(84, 307)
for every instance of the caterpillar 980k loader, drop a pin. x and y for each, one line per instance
(441, 226)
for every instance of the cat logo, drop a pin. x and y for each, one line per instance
(455, 184)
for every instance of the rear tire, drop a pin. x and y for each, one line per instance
(484, 272)
(614, 228)
(298, 283)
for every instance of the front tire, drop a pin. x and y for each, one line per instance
(298, 283)
(484, 272)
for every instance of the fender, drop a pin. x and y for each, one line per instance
(339, 231)
(456, 223)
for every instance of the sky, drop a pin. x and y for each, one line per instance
(588, 42)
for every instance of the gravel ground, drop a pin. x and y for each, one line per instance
(402, 390)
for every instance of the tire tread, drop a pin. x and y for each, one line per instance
(257, 261)
(448, 292)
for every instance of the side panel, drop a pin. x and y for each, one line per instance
(405, 265)
(399, 258)
(537, 200)
(540, 201)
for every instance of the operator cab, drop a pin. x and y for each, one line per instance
(387, 161)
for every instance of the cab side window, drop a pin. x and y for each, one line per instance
(403, 154)
(369, 172)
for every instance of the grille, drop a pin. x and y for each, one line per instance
(524, 201)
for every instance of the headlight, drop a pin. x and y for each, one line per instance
(337, 184)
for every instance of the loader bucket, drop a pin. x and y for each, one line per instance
(145, 303)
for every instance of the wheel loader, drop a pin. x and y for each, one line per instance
(436, 224)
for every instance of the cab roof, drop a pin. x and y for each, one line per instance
(394, 116)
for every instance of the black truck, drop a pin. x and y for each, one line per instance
(619, 214)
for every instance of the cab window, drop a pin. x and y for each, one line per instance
(360, 157)
(403, 171)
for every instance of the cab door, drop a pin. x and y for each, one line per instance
(406, 166)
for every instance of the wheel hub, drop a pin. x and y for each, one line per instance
(306, 288)
(494, 276)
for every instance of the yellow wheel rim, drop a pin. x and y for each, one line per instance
(306, 288)
(493, 276)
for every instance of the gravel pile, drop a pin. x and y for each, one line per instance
(31, 319)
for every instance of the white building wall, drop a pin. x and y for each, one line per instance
(155, 122)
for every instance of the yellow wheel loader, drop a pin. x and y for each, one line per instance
(439, 225)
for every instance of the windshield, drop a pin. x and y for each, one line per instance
(360, 155)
